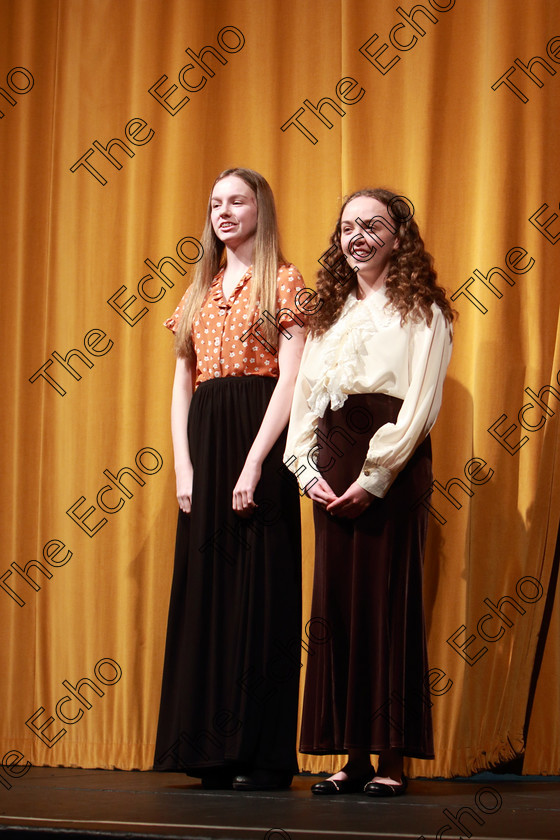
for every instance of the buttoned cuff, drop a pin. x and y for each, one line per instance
(376, 480)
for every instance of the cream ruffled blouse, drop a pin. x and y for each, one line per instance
(368, 351)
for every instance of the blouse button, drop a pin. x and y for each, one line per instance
(366, 472)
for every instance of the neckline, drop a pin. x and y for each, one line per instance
(379, 292)
(240, 283)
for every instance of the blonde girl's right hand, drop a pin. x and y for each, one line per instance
(184, 488)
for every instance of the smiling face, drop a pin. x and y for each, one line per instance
(233, 211)
(367, 235)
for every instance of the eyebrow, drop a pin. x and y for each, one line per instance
(236, 195)
(366, 222)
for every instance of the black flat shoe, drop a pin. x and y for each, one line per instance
(219, 778)
(379, 789)
(260, 779)
(334, 787)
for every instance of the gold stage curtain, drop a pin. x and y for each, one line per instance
(110, 141)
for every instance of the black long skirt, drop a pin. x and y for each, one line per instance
(366, 687)
(233, 651)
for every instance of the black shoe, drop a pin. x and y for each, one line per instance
(218, 778)
(260, 779)
(334, 787)
(379, 789)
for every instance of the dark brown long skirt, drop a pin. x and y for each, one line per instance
(365, 687)
(232, 660)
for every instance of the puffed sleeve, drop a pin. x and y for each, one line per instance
(302, 427)
(172, 323)
(288, 299)
(394, 443)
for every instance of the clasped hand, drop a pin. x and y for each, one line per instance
(350, 505)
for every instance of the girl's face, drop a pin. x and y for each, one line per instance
(367, 235)
(233, 211)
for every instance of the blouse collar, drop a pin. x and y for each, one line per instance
(216, 288)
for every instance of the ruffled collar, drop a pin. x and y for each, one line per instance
(343, 347)
(217, 292)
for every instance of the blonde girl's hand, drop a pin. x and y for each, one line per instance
(321, 493)
(243, 492)
(352, 503)
(184, 478)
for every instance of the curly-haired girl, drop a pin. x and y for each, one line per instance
(368, 392)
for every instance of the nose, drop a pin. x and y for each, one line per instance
(359, 241)
(359, 238)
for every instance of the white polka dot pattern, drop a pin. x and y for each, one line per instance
(220, 323)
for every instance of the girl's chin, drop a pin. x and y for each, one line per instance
(226, 238)
(366, 267)
(363, 267)
(233, 242)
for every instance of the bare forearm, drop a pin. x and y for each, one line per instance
(180, 405)
(274, 421)
(278, 412)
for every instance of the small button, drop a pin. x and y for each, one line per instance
(366, 472)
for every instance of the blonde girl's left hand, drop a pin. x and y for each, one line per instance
(352, 503)
(242, 499)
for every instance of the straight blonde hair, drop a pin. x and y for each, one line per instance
(267, 257)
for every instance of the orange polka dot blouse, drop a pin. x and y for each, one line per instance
(218, 328)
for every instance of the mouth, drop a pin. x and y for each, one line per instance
(361, 253)
(225, 226)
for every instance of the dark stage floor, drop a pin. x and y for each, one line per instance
(104, 803)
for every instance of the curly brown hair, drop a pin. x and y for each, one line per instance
(411, 285)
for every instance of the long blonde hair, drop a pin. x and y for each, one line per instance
(267, 257)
